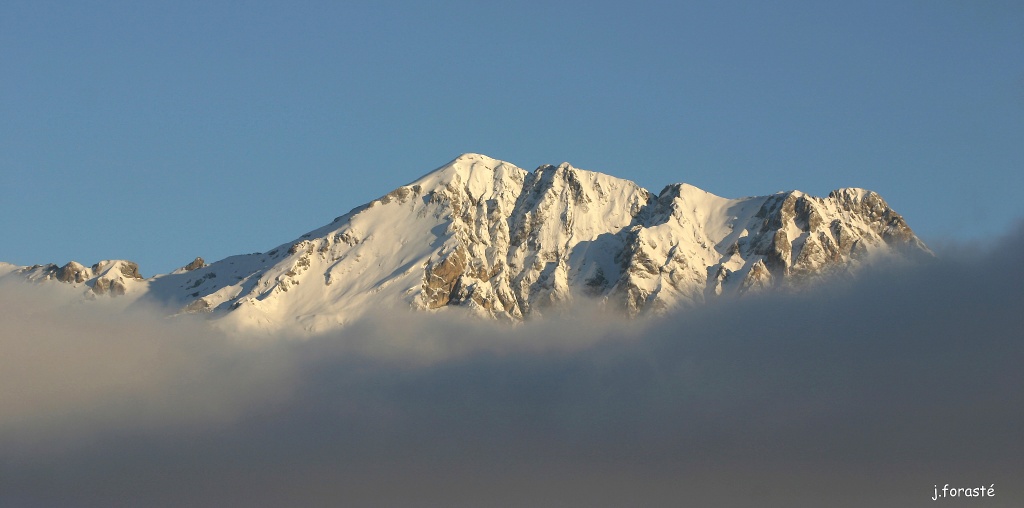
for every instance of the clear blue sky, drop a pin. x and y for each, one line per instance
(159, 132)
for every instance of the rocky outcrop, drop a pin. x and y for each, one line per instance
(196, 264)
(114, 277)
(109, 277)
(759, 278)
(882, 219)
(73, 272)
(113, 286)
(441, 279)
(126, 268)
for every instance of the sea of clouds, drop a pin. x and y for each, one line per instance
(870, 393)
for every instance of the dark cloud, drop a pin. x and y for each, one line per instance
(867, 394)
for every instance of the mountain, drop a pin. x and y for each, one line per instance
(502, 242)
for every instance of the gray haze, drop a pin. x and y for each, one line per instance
(863, 395)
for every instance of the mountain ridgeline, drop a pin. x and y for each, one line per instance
(502, 242)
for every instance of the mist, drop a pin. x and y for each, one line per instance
(872, 393)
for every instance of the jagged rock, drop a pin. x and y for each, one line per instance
(73, 272)
(807, 217)
(200, 305)
(104, 285)
(758, 278)
(882, 219)
(440, 279)
(196, 264)
(779, 253)
(718, 280)
(818, 254)
(125, 268)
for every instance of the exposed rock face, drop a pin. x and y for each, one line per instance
(758, 278)
(881, 219)
(200, 305)
(499, 241)
(125, 268)
(196, 264)
(104, 285)
(73, 272)
(110, 277)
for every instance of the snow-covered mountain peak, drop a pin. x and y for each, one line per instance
(488, 237)
(478, 176)
(694, 197)
(466, 167)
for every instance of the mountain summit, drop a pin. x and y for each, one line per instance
(484, 235)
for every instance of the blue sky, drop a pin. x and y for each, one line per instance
(159, 132)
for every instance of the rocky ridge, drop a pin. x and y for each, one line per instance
(111, 277)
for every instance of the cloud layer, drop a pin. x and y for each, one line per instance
(865, 395)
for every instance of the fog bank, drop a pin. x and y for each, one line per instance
(869, 394)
